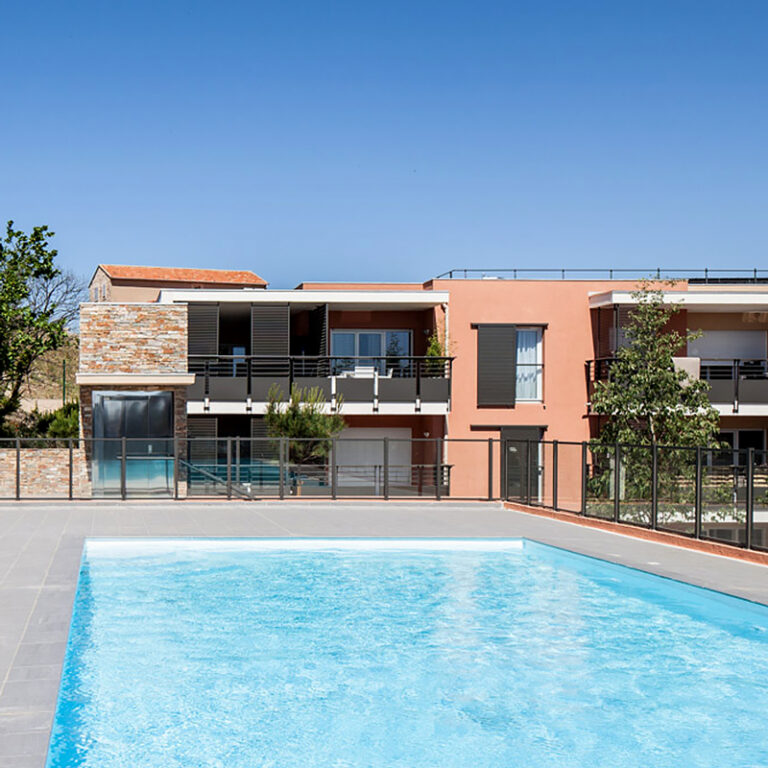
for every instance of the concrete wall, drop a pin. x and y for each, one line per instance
(133, 338)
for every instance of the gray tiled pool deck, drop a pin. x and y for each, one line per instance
(41, 546)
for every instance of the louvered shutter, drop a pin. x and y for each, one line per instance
(270, 329)
(496, 365)
(202, 449)
(203, 329)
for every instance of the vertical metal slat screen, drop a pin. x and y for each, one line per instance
(496, 365)
(203, 329)
(270, 329)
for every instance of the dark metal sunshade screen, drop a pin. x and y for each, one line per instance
(496, 365)
(203, 329)
(270, 329)
(204, 448)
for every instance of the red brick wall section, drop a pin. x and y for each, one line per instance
(133, 338)
(44, 472)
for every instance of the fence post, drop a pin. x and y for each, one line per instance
(528, 472)
(697, 497)
(554, 473)
(18, 469)
(438, 467)
(281, 465)
(584, 478)
(237, 460)
(176, 458)
(123, 459)
(386, 468)
(490, 469)
(334, 488)
(229, 467)
(654, 486)
(750, 498)
(616, 483)
(71, 460)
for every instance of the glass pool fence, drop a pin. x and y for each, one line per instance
(716, 494)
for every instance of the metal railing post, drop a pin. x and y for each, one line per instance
(334, 487)
(528, 472)
(654, 486)
(736, 386)
(584, 478)
(750, 521)
(237, 460)
(71, 470)
(18, 469)
(229, 467)
(490, 469)
(281, 464)
(123, 459)
(555, 446)
(438, 468)
(386, 468)
(616, 483)
(697, 505)
(176, 459)
(290, 377)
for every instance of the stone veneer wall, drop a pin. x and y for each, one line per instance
(133, 338)
(44, 472)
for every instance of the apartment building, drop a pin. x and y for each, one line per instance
(194, 354)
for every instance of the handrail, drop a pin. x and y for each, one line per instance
(705, 275)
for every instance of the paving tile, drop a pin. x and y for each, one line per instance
(23, 695)
(28, 744)
(32, 654)
(39, 672)
(25, 722)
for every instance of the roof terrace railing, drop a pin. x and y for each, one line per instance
(707, 276)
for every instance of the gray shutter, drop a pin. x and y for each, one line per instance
(261, 448)
(203, 329)
(270, 329)
(318, 321)
(496, 365)
(203, 450)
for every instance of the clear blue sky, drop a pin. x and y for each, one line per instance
(388, 140)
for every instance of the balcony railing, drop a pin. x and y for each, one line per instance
(355, 379)
(731, 380)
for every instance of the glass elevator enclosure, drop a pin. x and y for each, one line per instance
(133, 443)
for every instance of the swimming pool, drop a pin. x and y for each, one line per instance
(363, 653)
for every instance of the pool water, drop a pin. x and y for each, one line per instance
(283, 654)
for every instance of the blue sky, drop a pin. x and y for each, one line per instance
(388, 140)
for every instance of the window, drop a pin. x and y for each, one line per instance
(509, 365)
(395, 346)
(529, 365)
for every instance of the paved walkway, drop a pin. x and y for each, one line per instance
(41, 545)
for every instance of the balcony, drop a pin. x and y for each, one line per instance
(733, 383)
(364, 383)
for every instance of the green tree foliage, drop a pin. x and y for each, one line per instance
(646, 399)
(31, 322)
(302, 418)
(63, 422)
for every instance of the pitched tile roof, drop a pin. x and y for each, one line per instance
(183, 274)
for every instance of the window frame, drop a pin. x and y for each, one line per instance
(539, 365)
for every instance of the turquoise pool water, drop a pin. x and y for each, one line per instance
(284, 654)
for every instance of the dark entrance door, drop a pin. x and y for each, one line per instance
(520, 465)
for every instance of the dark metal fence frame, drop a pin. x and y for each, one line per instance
(539, 485)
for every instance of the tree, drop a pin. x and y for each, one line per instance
(37, 301)
(646, 398)
(304, 420)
